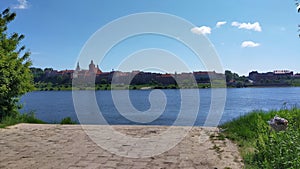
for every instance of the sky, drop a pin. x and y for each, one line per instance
(247, 35)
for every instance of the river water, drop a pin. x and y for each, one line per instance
(157, 107)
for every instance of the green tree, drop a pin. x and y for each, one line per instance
(37, 73)
(15, 75)
(228, 75)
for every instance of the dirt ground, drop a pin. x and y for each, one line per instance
(68, 146)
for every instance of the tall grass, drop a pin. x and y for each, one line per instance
(29, 118)
(19, 118)
(262, 147)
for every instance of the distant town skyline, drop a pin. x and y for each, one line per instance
(248, 35)
(203, 79)
(94, 68)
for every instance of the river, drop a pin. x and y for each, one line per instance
(52, 106)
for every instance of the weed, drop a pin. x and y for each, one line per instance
(67, 120)
(20, 118)
(263, 148)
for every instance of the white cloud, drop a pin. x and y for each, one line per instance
(219, 24)
(23, 4)
(235, 24)
(203, 30)
(250, 26)
(249, 44)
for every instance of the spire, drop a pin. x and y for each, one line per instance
(98, 70)
(77, 67)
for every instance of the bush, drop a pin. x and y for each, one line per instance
(67, 120)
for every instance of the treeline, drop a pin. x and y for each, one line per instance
(49, 79)
(234, 80)
(43, 80)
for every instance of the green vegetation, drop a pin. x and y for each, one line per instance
(42, 81)
(68, 120)
(262, 147)
(234, 80)
(49, 80)
(16, 78)
(295, 82)
(20, 118)
(42, 86)
(30, 118)
(15, 75)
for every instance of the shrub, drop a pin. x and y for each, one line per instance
(67, 120)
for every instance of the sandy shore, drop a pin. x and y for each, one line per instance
(68, 146)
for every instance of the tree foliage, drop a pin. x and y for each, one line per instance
(15, 76)
(231, 76)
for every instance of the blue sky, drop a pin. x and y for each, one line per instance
(250, 35)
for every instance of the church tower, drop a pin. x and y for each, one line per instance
(77, 67)
(92, 67)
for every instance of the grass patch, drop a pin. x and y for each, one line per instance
(261, 147)
(20, 118)
(29, 118)
(68, 120)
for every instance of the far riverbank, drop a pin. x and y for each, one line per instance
(148, 87)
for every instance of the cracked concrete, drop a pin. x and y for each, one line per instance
(68, 146)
